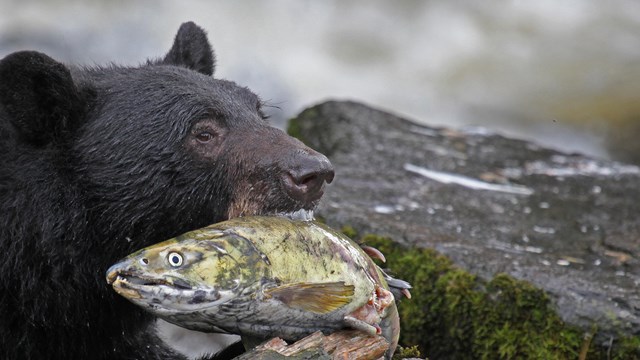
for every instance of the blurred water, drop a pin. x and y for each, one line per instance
(565, 74)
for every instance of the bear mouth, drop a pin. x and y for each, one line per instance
(288, 209)
(262, 198)
(302, 214)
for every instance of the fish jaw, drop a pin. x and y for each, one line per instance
(163, 295)
(120, 286)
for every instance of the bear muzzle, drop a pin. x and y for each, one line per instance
(305, 181)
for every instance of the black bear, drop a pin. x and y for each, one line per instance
(98, 162)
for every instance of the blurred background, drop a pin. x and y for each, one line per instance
(565, 74)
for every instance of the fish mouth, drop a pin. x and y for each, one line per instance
(134, 286)
(164, 295)
(135, 281)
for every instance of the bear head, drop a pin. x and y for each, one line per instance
(161, 148)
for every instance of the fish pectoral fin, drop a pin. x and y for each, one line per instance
(319, 298)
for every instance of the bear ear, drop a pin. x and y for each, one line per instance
(191, 49)
(39, 96)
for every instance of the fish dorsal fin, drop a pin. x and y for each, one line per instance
(319, 298)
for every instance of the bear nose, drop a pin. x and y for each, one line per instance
(305, 181)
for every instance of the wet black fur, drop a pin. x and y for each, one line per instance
(94, 165)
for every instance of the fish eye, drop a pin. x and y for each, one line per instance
(175, 259)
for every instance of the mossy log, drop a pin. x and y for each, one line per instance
(345, 345)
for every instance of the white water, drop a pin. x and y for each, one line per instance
(559, 72)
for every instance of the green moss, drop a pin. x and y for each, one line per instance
(628, 348)
(455, 315)
(406, 352)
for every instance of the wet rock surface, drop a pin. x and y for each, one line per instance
(567, 223)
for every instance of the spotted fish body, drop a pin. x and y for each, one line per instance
(261, 277)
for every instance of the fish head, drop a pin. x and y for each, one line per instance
(188, 274)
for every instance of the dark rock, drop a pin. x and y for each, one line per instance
(567, 223)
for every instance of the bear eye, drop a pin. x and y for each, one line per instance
(175, 259)
(204, 136)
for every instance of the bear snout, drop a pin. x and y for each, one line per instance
(304, 181)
